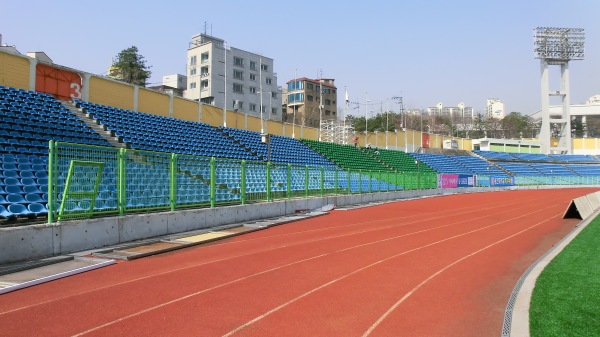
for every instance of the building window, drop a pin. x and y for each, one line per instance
(273, 94)
(268, 80)
(204, 84)
(327, 112)
(252, 65)
(264, 67)
(333, 113)
(328, 102)
(333, 102)
(252, 90)
(203, 57)
(297, 85)
(238, 88)
(299, 97)
(238, 62)
(309, 98)
(203, 71)
(193, 60)
(318, 88)
(193, 85)
(252, 77)
(193, 71)
(274, 111)
(239, 75)
(310, 86)
(264, 109)
(238, 105)
(252, 107)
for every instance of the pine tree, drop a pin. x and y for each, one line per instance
(129, 66)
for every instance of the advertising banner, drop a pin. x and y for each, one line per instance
(502, 181)
(447, 180)
(466, 181)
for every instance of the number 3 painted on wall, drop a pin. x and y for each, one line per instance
(77, 91)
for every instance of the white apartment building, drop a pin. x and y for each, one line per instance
(219, 74)
(460, 110)
(494, 108)
(176, 81)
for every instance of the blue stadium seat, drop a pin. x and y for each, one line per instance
(37, 209)
(4, 213)
(19, 210)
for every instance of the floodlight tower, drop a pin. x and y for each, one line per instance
(557, 46)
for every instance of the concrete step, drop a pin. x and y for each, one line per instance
(102, 130)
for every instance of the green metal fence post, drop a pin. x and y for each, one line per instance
(289, 181)
(51, 180)
(322, 181)
(349, 188)
(268, 181)
(359, 181)
(122, 175)
(243, 183)
(213, 180)
(306, 181)
(335, 177)
(173, 182)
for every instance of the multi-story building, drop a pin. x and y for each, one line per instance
(172, 84)
(221, 75)
(311, 100)
(494, 108)
(460, 110)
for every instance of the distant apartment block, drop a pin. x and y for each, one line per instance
(216, 72)
(460, 110)
(172, 84)
(310, 100)
(494, 108)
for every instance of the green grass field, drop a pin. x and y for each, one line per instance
(566, 297)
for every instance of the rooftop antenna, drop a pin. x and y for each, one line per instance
(204, 27)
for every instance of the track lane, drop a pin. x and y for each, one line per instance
(383, 274)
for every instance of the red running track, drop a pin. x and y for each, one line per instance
(442, 266)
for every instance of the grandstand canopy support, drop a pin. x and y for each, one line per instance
(557, 46)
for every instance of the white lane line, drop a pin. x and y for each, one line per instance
(260, 317)
(263, 251)
(413, 290)
(192, 295)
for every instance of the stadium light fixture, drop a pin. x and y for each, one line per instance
(556, 47)
(559, 44)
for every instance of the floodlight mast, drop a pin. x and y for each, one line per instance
(557, 46)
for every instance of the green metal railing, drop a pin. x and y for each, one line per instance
(85, 180)
(127, 180)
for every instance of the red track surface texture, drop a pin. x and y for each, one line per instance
(440, 266)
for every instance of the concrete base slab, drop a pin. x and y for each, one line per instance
(28, 278)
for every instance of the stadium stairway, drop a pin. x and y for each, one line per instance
(371, 153)
(93, 124)
(239, 143)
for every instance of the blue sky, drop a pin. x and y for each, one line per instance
(426, 51)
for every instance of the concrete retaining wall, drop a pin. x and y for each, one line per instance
(36, 241)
